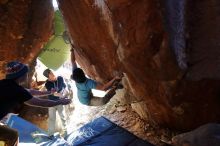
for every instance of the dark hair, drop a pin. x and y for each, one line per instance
(47, 72)
(78, 75)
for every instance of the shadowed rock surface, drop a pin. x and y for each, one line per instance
(206, 135)
(25, 25)
(167, 49)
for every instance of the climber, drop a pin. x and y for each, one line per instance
(13, 95)
(85, 85)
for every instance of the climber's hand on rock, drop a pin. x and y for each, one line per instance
(119, 77)
(72, 48)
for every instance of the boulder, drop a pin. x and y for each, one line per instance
(206, 135)
(168, 50)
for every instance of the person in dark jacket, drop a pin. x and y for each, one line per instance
(58, 84)
(13, 95)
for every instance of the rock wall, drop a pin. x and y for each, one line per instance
(25, 25)
(167, 49)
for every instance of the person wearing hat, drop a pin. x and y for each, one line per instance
(58, 84)
(85, 85)
(13, 94)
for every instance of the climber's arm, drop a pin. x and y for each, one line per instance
(109, 84)
(73, 59)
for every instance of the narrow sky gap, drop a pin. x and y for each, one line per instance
(55, 4)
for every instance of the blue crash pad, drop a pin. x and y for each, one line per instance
(99, 132)
(103, 132)
(25, 129)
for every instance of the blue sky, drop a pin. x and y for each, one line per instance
(55, 4)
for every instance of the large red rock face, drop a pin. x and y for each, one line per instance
(25, 25)
(167, 49)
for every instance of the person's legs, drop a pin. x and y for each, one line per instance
(109, 95)
(51, 120)
(98, 101)
(60, 109)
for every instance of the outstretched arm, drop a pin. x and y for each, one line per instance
(47, 103)
(73, 59)
(37, 93)
(109, 84)
(35, 101)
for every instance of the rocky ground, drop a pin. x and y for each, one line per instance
(125, 117)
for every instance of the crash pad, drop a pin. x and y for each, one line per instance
(57, 50)
(103, 132)
(99, 132)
